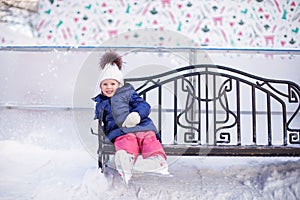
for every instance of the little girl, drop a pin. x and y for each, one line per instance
(124, 116)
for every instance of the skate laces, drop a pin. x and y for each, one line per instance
(158, 158)
(152, 164)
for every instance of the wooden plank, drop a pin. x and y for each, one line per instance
(222, 150)
(231, 150)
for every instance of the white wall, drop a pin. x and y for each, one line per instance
(50, 77)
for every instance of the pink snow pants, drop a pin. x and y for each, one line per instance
(144, 142)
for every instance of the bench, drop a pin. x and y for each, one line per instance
(212, 110)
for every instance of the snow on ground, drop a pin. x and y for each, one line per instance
(51, 163)
(32, 172)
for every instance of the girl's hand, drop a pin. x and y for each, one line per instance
(132, 120)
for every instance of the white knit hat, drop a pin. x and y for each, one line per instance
(110, 66)
(111, 71)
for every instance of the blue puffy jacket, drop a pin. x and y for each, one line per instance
(112, 112)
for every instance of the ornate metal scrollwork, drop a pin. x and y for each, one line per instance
(293, 97)
(148, 81)
(190, 99)
(223, 100)
(292, 91)
(224, 137)
(189, 137)
(208, 107)
(294, 138)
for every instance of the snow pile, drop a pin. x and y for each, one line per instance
(30, 171)
(43, 158)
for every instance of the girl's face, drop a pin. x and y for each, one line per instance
(109, 87)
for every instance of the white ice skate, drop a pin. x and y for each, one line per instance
(154, 164)
(124, 163)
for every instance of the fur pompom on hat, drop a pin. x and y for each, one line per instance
(111, 65)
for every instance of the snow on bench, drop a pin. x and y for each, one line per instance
(212, 110)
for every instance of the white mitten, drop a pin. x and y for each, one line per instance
(132, 120)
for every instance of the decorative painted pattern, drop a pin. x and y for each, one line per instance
(215, 23)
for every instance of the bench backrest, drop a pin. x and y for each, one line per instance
(216, 105)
